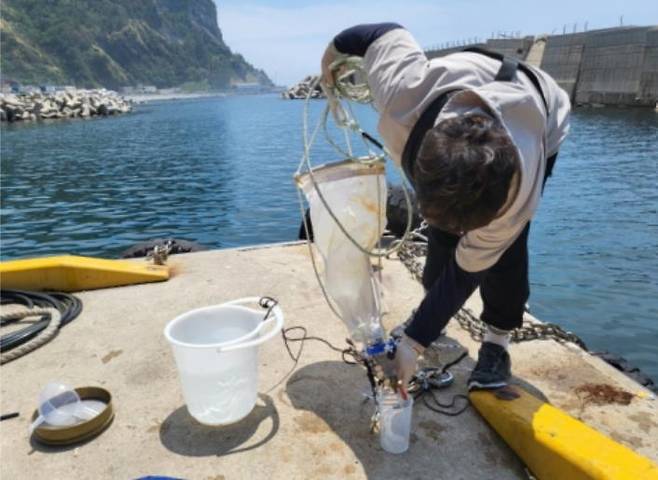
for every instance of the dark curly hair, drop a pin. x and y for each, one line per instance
(463, 172)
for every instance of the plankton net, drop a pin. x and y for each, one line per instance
(347, 202)
(357, 196)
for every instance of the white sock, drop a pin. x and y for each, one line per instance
(497, 336)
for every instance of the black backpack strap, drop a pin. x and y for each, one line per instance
(507, 70)
(548, 169)
(417, 134)
(510, 64)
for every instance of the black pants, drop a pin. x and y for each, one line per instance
(504, 288)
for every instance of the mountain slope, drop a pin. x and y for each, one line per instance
(112, 43)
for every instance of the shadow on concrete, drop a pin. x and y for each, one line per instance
(441, 446)
(530, 388)
(182, 434)
(331, 391)
(447, 349)
(43, 448)
(445, 447)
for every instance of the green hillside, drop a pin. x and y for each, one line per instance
(114, 43)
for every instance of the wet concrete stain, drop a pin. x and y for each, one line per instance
(111, 355)
(310, 423)
(323, 471)
(320, 454)
(285, 456)
(643, 421)
(603, 394)
(335, 446)
(431, 429)
(148, 372)
(349, 469)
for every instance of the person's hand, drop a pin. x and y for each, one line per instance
(329, 57)
(406, 360)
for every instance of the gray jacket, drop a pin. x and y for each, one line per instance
(404, 82)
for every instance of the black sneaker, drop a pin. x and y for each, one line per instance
(493, 368)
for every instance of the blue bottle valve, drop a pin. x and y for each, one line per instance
(381, 347)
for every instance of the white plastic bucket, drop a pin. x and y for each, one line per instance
(216, 352)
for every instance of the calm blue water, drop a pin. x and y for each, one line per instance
(218, 171)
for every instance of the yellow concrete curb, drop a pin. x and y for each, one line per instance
(70, 273)
(556, 446)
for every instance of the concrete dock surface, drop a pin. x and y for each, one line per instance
(311, 423)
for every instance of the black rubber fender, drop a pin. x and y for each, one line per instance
(143, 249)
(397, 213)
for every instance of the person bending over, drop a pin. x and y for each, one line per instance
(477, 135)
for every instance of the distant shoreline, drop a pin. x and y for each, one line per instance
(154, 97)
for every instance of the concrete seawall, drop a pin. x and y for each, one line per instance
(563, 57)
(617, 66)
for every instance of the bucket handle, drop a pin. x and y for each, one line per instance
(263, 302)
(277, 320)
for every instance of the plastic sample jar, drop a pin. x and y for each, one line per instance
(394, 422)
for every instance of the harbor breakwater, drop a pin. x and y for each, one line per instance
(615, 66)
(61, 104)
(301, 90)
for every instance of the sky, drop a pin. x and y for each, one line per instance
(286, 38)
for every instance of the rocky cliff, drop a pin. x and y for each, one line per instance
(114, 43)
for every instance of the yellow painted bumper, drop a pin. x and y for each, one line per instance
(555, 445)
(71, 273)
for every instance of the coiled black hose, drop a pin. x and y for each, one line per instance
(68, 305)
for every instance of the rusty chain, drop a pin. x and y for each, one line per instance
(411, 252)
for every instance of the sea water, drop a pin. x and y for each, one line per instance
(218, 171)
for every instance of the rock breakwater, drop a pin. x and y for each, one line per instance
(300, 90)
(61, 104)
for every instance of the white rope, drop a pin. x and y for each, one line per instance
(46, 335)
(344, 118)
(351, 67)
